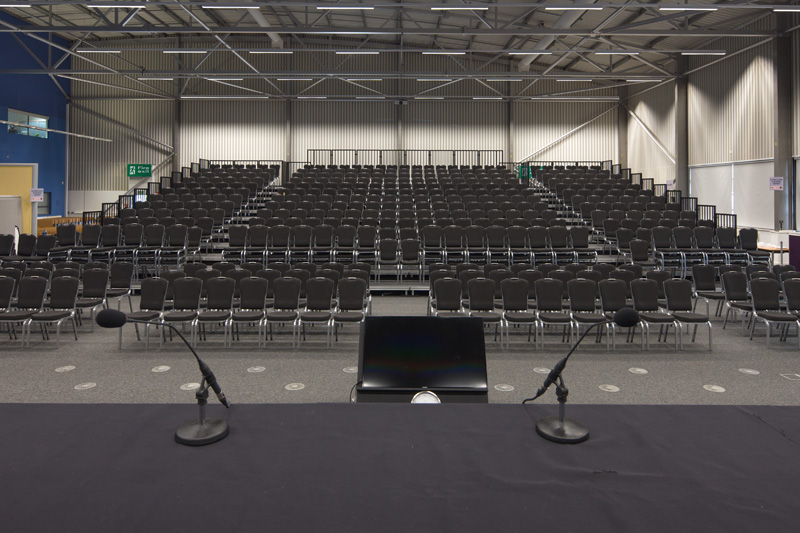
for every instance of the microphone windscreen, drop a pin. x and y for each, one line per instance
(626, 317)
(111, 318)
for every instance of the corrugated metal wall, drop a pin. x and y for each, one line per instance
(796, 91)
(456, 125)
(96, 165)
(656, 109)
(731, 107)
(538, 124)
(225, 129)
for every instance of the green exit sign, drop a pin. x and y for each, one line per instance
(140, 171)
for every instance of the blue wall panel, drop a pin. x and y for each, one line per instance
(36, 94)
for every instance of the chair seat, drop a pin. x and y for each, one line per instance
(589, 317)
(555, 317)
(348, 316)
(450, 314)
(88, 302)
(281, 316)
(48, 316)
(660, 318)
(12, 316)
(742, 306)
(144, 315)
(487, 316)
(711, 295)
(690, 317)
(776, 316)
(315, 316)
(180, 316)
(214, 316)
(519, 317)
(247, 316)
(116, 293)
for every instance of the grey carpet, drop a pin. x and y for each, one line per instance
(126, 376)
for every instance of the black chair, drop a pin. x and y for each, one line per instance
(63, 297)
(678, 293)
(252, 306)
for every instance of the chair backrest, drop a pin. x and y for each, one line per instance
(253, 293)
(26, 245)
(7, 286)
(223, 267)
(645, 294)
(549, 293)
(514, 292)
(748, 238)
(220, 292)
(613, 294)
(237, 235)
(660, 276)
(121, 275)
(269, 274)
(791, 291)
(95, 283)
(447, 292)
(177, 235)
(766, 294)
(734, 284)
(481, 293)
(64, 292)
(186, 293)
(635, 268)
(726, 238)
(287, 293)
(319, 293)
(704, 237)
(7, 245)
(678, 293)
(153, 294)
(704, 277)
(582, 295)
(171, 276)
(109, 235)
(154, 235)
(31, 292)
(67, 235)
(351, 294)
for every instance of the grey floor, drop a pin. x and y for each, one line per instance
(95, 370)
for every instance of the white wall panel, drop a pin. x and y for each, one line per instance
(341, 125)
(713, 185)
(753, 202)
(731, 109)
(539, 124)
(656, 109)
(225, 129)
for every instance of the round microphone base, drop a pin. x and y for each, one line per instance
(567, 432)
(197, 434)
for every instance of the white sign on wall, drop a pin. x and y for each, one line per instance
(37, 195)
(776, 183)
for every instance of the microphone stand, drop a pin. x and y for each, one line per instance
(204, 430)
(559, 428)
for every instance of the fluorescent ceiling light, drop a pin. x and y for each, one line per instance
(225, 79)
(642, 81)
(112, 6)
(364, 79)
(434, 79)
(503, 79)
(460, 8)
(786, 10)
(368, 32)
(577, 98)
(574, 79)
(312, 97)
(15, 5)
(184, 51)
(356, 52)
(444, 53)
(531, 53)
(487, 97)
(370, 98)
(573, 9)
(155, 79)
(617, 53)
(343, 8)
(429, 98)
(222, 6)
(97, 51)
(687, 8)
(703, 53)
(225, 97)
(271, 51)
(295, 79)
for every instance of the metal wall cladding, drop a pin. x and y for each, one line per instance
(731, 116)
(102, 85)
(229, 129)
(538, 124)
(796, 91)
(341, 125)
(471, 125)
(98, 165)
(656, 109)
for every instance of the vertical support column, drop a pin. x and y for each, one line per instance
(510, 130)
(782, 109)
(176, 135)
(622, 128)
(681, 128)
(288, 172)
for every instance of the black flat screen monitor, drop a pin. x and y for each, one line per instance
(406, 353)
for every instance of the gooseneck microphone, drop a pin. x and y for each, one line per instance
(192, 433)
(564, 430)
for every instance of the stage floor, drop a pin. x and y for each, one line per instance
(367, 467)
